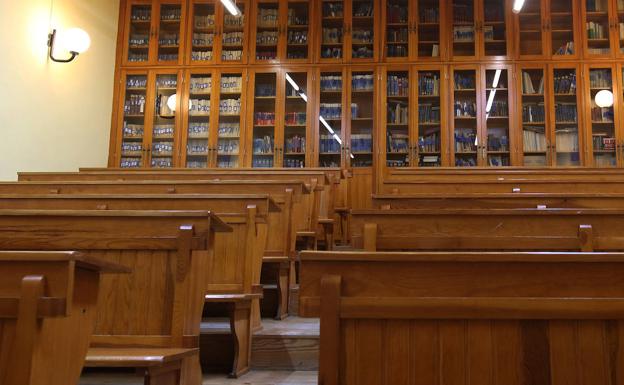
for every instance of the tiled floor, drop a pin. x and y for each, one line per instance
(252, 378)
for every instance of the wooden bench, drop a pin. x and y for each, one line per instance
(234, 276)
(466, 318)
(488, 229)
(47, 310)
(280, 249)
(159, 305)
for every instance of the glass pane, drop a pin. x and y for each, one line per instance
(228, 143)
(203, 32)
(620, 16)
(465, 118)
(534, 141)
(233, 36)
(164, 121)
(362, 34)
(332, 33)
(561, 27)
(362, 107)
(497, 117)
(267, 31)
(264, 120)
(566, 118)
(530, 27)
(429, 28)
(134, 121)
(397, 119)
(494, 36)
(330, 116)
(602, 119)
(298, 28)
(296, 119)
(463, 28)
(199, 121)
(169, 32)
(429, 133)
(140, 26)
(597, 27)
(397, 35)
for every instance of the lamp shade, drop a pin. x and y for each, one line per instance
(74, 40)
(604, 98)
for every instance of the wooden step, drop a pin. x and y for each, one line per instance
(291, 344)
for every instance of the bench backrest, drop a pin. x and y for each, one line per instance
(455, 318)
(160, 303)
(47, 299)
(488, 229)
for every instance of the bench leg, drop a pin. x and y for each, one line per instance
(240, 326)
(283, 286)
(170, 374)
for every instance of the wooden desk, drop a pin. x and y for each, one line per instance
(47, 311)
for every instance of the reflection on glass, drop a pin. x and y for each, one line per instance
(497, 117)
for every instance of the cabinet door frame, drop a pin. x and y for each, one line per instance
(191, 29)
(318, 127)
(588, 124)
(182, 31)
(382, 119)
(220, 17)
(543, 31)
(376, 34)
(577, 29)
(310, 108)
(184, 100)
(312, 15)
(618, 103)
(412, 50)
(219, 74)
(477, 33)
(579, 111)
(479, 93)
(508, 21)
(373, 69)
(318, 26)
(445, 146)
(153, 42)
(253, 21)
(610, 32)
(519, 137)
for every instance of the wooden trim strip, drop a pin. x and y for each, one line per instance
(47, 307)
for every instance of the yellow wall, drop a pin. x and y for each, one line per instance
(54, 117)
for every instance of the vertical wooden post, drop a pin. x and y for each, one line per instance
(330, 330)
(369, 237)
(586, 237)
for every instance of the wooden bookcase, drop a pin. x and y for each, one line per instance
(368, 84)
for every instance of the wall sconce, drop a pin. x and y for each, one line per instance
(74, 40)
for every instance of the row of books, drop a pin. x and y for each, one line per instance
(199, 107)
(203, 39)
(141, 14)
(462, 161)
(429, 15)
(295, 118)
(498, 160)
(397, 85)
(297, 37)
(331, 35)
(132, 130)
(129, 147)
(463, 13)
(498, 143)
(198, 130)
(196, 147)
(465, 140)
(528, 87)
(227, 147)
(232, 38)
(599, 78)
(362, 52)
(267, 38)
(328, 144)
(295, 144)
(429, 143)
(227, 130)
(363, 9)
(429, 84)
(464, 81)
(201, 55)
(167, 57)
(266, 55)
(601, 114)
(463, 33)
(532, 113)
(138, 40)
(131, 163)
(227, 162)
(229, 107)
(231, 84)
(362, 36)
(397, 36)
(397, 142)
(362, 82)
(169, 39)
(267, 17)
(565, 83)
(264, 90)
(297, 18)
(534, 139)
(398, 113)
(263, 145)
(597, 5)
(428, 113)
(566, 139)
(333, 9)
(395, 50)
(331, 83)
(264, 118)
(204, 21)
(603, 142)
(196, 163)
(566, 49)
(201, 85)
(596, 30)
(465, 108)
(234, 21)
(498, 108)
(235, 55)
(395, 13)
(163, 130)
(134, 105)
(330, 110)
(361, 142)
(162, 163)
(171, 13)
(136, 82)
(565, 112)
(294, 163)
(263, 162)
(162, 148)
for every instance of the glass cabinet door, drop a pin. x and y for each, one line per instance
(264, 119)
(164, 121)
(530, 37)
(198, 144)
(494, 28)
(133, 125)
(566, 135)
(332, 30)
(429, 119)
(619, 9)
(534, 136)
(362, 118)
(330, 118)
(298, 31)
(597, 27)
(463, 33)
(267, 31)
(496, 141)
(203, 31)
(233, 35)
(397, 119)
(602, 119)
(230, 120)
(465, 117)
(561, 28)
(397, 29)
(295, 119)
(170, 32)
(428, 29)
(362, 29)
(139, 33)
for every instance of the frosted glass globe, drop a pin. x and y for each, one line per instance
(604, 98)
(172, 102)
(74, 40)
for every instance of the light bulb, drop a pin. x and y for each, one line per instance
(172, 102)
(74, 40)
(604, 98)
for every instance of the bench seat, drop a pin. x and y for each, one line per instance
(136, 357)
